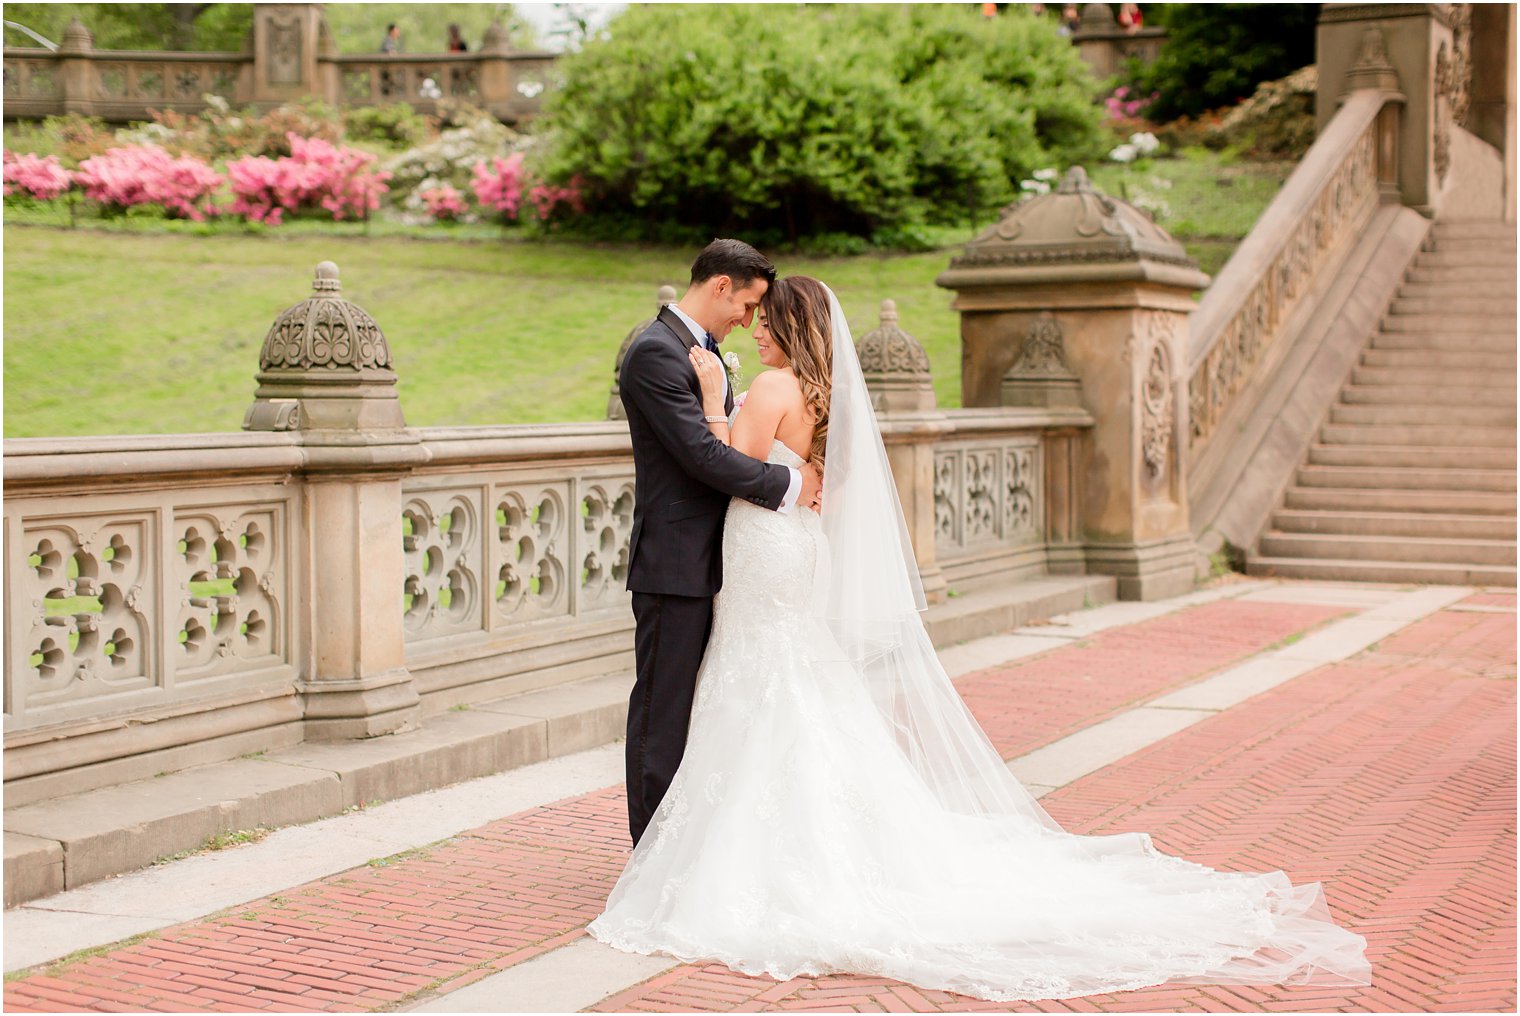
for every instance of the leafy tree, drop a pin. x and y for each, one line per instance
(1216, 54)
(801, 120)
(139, 26)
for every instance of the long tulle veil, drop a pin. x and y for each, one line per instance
(869, 597)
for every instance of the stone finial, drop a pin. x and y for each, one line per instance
(1372, 68)
(665, 296)
(76, 38)
(895, 366)
(1098, 18)
(325, 364)
(495, 39)
(1042, 237)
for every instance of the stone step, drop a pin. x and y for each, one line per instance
(1432, 395)
(1341, 570)
(1501, 274)
(1440, 502)
(1408, 478)
(1469, 257)
(1444, 240)
(1456, 289)
(1500, 379)
(1479, 416)
(1497, 228)
(1425, 550)
(1415, 434)
(1399, 456)
(1458, 319)
(1427, 302)
(1493, 361)
(1426, 524)
(1459, 342)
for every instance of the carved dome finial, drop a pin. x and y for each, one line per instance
(76, 37)
(321, 364)
(664, 296)
(895, 366)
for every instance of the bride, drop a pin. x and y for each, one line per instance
(838, 809)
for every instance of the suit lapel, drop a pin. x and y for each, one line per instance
(677, 326)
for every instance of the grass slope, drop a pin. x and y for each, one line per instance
(118, 333)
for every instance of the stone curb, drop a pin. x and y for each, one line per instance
(71, 841)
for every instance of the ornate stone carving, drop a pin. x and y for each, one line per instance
(666, 295)
(1075, 223)
(283, 52)
(1453, 86)
(90, 634)
(986, 494)
(1158, 414)
(1257, 320)
(1040, 375)
(607, 518)
(532, 538)
(1044, 349)
(887, 349)
(229, 565)
(1372, 68)
(330, 357)
(895, 366)
(441, 551)
(1440, 156)
(325, 331)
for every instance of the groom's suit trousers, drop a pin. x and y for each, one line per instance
(668, 643)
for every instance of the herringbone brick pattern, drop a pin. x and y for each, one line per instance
(1400, 815)
(1029, 703)
(1388, 777)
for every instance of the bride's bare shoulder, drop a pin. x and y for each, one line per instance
(778, 386)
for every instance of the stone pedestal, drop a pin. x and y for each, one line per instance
(1076, 292)
(287, 39)
(74, 68)
(896, 372)
(325, 373)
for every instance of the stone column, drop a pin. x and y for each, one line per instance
(325, 374)
(287, 39)
(496, 72)
(1077, 292)
(665, 295)
(75, 77)
(897, 375)
(1410, 41)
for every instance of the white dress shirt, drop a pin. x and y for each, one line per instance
(794, 489)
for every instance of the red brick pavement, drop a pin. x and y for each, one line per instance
(448, 915)
(1389, 777)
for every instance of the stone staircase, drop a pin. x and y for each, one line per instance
(1412, 477)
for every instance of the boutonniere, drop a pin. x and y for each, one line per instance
(731, 361)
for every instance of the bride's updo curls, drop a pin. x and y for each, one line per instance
(797, 315)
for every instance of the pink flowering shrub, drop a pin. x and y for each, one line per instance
(40, 177)
(316, 174)
(146, 175)
(444, 202)
(1125, 105)
(501, 185)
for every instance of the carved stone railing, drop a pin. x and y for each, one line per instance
(1240, 322)
(290, 56)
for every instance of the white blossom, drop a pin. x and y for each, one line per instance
(1124, 153)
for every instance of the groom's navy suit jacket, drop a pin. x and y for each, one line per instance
(683, 476)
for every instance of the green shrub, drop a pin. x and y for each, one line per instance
(1216, 54)
(397, 125)
(784, 122)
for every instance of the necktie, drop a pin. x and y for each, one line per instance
(709, 343)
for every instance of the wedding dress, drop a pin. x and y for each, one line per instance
(839, 810)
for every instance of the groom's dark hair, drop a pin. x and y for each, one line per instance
(734, 258)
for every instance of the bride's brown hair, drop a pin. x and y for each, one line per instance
(797, 315)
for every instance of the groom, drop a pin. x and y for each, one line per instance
(683, 479)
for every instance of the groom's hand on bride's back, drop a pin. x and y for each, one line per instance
(811, 495)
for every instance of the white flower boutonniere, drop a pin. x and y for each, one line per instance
(731, 361)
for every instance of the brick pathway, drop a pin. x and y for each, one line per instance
(1389, 776)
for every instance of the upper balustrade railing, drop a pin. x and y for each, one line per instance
(1241, 319)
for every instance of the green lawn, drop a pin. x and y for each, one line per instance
(138, 326)
(134, 334)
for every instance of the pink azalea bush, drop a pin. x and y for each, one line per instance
(40, 177)
(444, 203)
(1125, 104)
(316, 174)
(500, 186)
(147, 175)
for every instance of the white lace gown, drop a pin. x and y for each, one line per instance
(796, 839)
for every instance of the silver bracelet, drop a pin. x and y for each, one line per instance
(717, 419)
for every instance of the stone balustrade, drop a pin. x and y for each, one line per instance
(334, 573)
